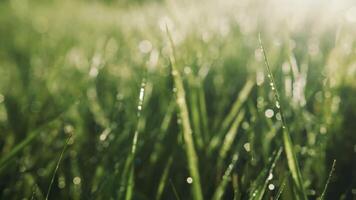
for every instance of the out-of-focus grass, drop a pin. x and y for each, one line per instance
(74, 69)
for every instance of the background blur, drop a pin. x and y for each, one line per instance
(71, 75)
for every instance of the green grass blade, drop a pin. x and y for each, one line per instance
(230, 136)
(163, 180)
(57, 166)
(328, 181)
(261, 183)
(127, 181)
(219, 192)
(287, 141)
(187, 130)
(242, 97)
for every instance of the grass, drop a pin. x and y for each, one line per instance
(176, 100)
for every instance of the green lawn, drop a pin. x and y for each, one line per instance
(177, 99)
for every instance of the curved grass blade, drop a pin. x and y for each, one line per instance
(287, 141)
(186, 127)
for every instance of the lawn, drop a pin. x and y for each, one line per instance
(164, 99)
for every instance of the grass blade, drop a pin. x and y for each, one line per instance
(328, 181)
(187, 130)
(230, 137)
(162, 182)
(232, 114)
(57, 166)
(261, 183)
(219, 192)
(127, 182)
(287, 141)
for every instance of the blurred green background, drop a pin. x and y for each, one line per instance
(73, 72)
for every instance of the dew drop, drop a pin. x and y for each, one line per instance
(269, 113)
(189, 180)
(247, 147)
(145, 46)
(76, 180)
(271, 186)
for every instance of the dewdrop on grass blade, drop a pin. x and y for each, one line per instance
(287, 141)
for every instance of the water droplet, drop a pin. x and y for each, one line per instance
(279, 116)
(269, 113)
(187, 70)
(323, 130)
(277, 104)
(271, 186)
(270, 176)
(174, 72)
(247, 147)
(189, 180)
(76, 180)
(61, 182)
(1, 98)
(93, 72)
(145, 46)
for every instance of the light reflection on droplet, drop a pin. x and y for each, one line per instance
(145, 46)
(76, 180)
(269, 113)
(271, 186)
(247, 147)
(189, 180)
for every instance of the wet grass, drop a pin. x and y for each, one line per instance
(164, 100)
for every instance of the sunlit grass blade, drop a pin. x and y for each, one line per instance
(159, 144)
(259, 187)
(287, 141)
(241, 98)
(186, 127)
(281, 189)
(230, 137)
(163, 180)
(127, 178)
(232, 114)
(57, 166)
(219, 192)
(328, 180)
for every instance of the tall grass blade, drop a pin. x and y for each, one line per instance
(163, 180)
(127, 179)
(261, 183)
(287, 141)
(57, 166)
(328, 181)
(242, 97)
(230, 137)
(219, 192)
(187, 130)
(174, 190)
